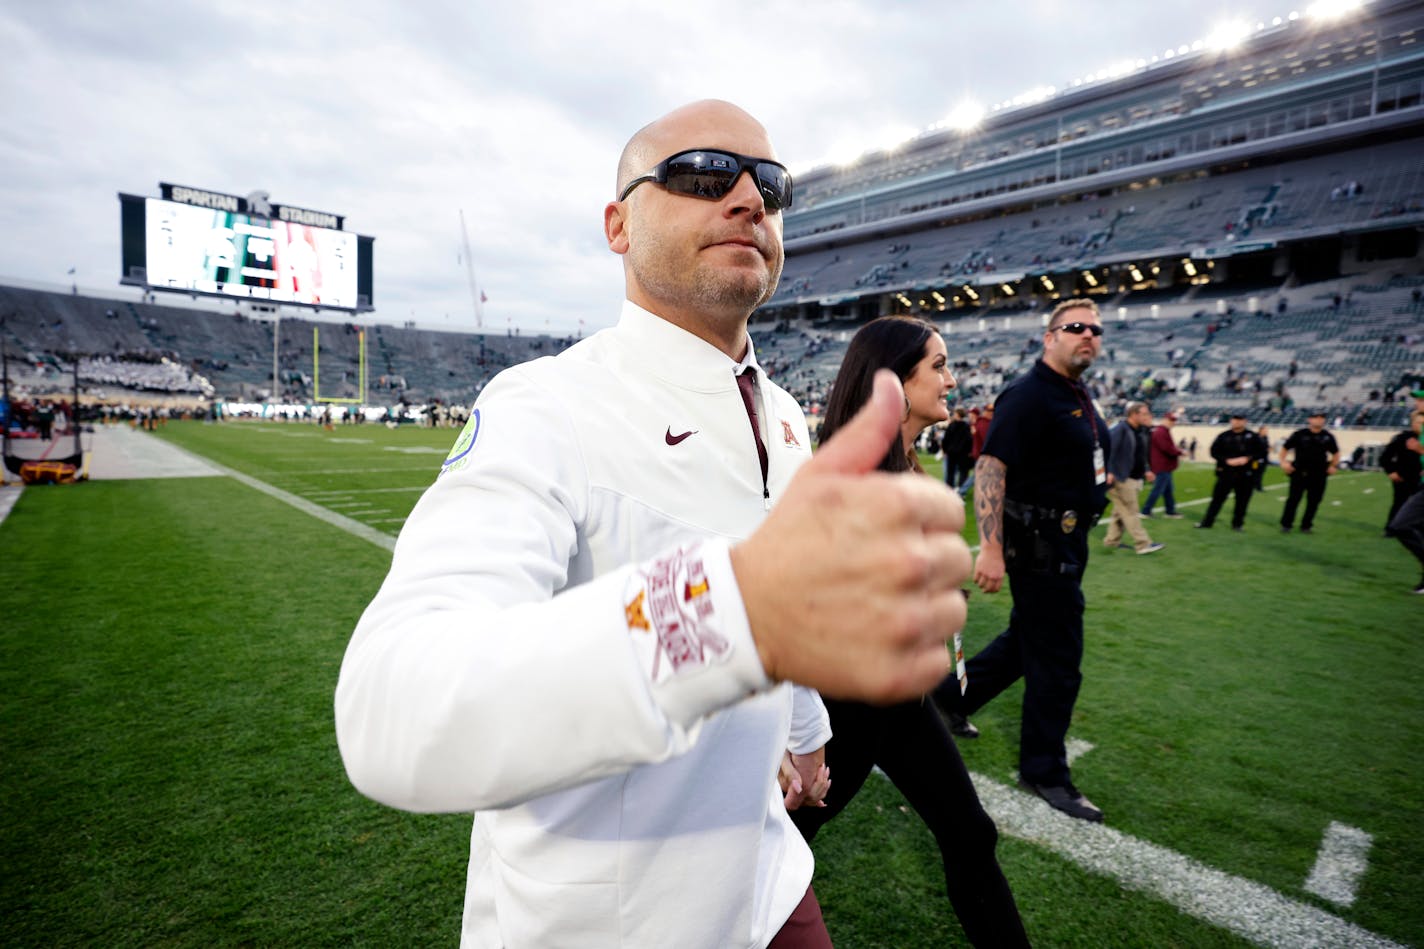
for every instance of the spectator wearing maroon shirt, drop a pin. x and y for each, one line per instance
(979, 425)
(1163, 458)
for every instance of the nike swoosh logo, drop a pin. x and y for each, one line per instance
(672, 439)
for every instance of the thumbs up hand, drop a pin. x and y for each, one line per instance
(852, 583)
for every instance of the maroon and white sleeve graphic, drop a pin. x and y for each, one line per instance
(671, 616)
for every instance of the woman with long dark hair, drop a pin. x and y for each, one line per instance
(910, 741)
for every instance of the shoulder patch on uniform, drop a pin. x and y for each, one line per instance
(460, 453)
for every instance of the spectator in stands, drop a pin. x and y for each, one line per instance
(958, 445)
(617, 725)
(1042, 484)
(910, 741)
(1316, 457)
(1127, 468)
(1400, 460)
(1163, 458)
(1235, 451)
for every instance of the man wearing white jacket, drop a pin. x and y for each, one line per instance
(591, 627)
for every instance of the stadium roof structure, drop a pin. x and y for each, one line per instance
(1289, 93)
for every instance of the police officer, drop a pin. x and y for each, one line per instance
(1040, 484)
(1317, 457)
(1236, 450)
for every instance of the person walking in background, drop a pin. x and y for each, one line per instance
(1127, 467)
(1042, 484)
(1235, 451)
(596, 619)
(1400, 460)
(1163, 456)
(979, 422)
(1317, 456)
(1258, 470)
(1407, 524)
(909, 741)
(44, 419)
(957, 444)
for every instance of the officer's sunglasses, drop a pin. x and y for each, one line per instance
(1078, 329)
(711, 172)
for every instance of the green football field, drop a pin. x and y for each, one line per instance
(1250, 721)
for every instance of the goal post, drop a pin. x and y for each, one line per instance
(361, 370)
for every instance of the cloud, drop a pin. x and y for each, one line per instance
(400, 116)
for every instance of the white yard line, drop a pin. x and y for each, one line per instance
(1076, 748)
(353, 527)
(1343, 859)
(347, 492)
(1249, 909)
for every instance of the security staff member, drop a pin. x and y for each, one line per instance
(1040, 484)
(1236, 450)
(1317, 456)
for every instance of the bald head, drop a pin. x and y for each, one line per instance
(704, 124)
(701, 262)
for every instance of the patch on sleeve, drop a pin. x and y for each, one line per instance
(669, 612)
(460, 454)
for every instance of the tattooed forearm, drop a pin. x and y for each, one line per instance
(989, 473)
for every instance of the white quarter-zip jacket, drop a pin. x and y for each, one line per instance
(560, 646)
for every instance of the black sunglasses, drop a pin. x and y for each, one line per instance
(710, 173)
(1078, 329)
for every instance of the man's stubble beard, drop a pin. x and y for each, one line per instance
(1079, 363)
(707, 291)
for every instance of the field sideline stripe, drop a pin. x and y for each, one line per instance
(1251, 910)
(353, 527)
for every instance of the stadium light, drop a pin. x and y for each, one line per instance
(1332, 9)
(1047, 284)
(965, 116)
(1228, 35)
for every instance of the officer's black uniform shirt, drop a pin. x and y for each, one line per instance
(1312, 450)
(958, 439)
(1398, 459)
(1231, 444)
(1044, 430)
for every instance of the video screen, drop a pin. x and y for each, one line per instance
(207, 251)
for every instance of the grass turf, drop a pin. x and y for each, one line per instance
(168, 652)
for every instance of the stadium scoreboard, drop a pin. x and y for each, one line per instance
(205, 242)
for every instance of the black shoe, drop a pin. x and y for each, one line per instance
(961, 726)
(1307, 530)
(1285, 528)
(1066, 799)
(1239, 530)
(1202, 526)
(1420, 588)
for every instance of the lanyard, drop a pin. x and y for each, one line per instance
(1084, 403)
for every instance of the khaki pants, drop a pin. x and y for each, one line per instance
(1126, 516)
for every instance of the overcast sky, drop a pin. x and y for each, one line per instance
(399, 115)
